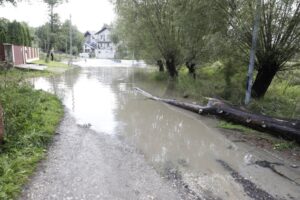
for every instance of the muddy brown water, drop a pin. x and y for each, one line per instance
(186, 151)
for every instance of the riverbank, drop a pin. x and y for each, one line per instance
(280, 101)
(30, 119)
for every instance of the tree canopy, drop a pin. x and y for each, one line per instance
(62, 37)
(153, 29)
(14, 32)
(197, 31)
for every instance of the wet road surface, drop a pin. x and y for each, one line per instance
(115, 144)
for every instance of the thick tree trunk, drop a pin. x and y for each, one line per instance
(160, 65)
(1, 125)
(262, 82)
(289, 129)
(170, 62)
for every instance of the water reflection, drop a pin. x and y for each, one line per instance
(87, 94)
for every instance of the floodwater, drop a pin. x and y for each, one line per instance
(185, 150)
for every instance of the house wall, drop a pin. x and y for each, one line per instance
(105, 53)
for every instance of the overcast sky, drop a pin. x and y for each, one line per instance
(86, 14)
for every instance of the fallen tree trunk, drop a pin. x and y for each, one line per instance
(1, 125)
(285, 128)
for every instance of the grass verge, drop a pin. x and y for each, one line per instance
(31, 118)
(51, 64)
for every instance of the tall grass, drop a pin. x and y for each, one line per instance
(31, 118)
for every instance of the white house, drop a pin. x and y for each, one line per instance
(99, 44)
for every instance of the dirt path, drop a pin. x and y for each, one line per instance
(83, 164)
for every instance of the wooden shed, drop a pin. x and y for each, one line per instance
(18, 55)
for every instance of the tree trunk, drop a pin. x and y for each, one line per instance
(262, 82)
(289, 129)
(160, 65)
(170, 62)
(1, 125)
(51, 33)
(192, 68)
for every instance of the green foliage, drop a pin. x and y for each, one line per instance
(62, 38)
(31, 118)
(231, 126)
(282, 99)
(14, 32)
(3, 30)
(284, 145)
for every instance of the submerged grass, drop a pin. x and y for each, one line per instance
(227, 82)
(281, 100)
(31, 118)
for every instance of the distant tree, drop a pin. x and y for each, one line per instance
(27, 36)
(63, 39)
(53, 23)
(43, 35)
(3, 30)
(9, 1)
(279, 37)
(16, 33)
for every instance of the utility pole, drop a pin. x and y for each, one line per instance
(71, 45)
(253, 52)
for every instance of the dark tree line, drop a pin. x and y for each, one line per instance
(15, 33)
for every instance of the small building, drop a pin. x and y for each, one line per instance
(99, 44)
(90, 43)
(18, 55)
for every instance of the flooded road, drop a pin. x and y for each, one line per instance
(115, 144)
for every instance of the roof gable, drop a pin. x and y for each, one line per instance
(102, 30)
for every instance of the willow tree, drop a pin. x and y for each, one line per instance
(199, 22)
(153, 23)
(279, 36)
(174, 30)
